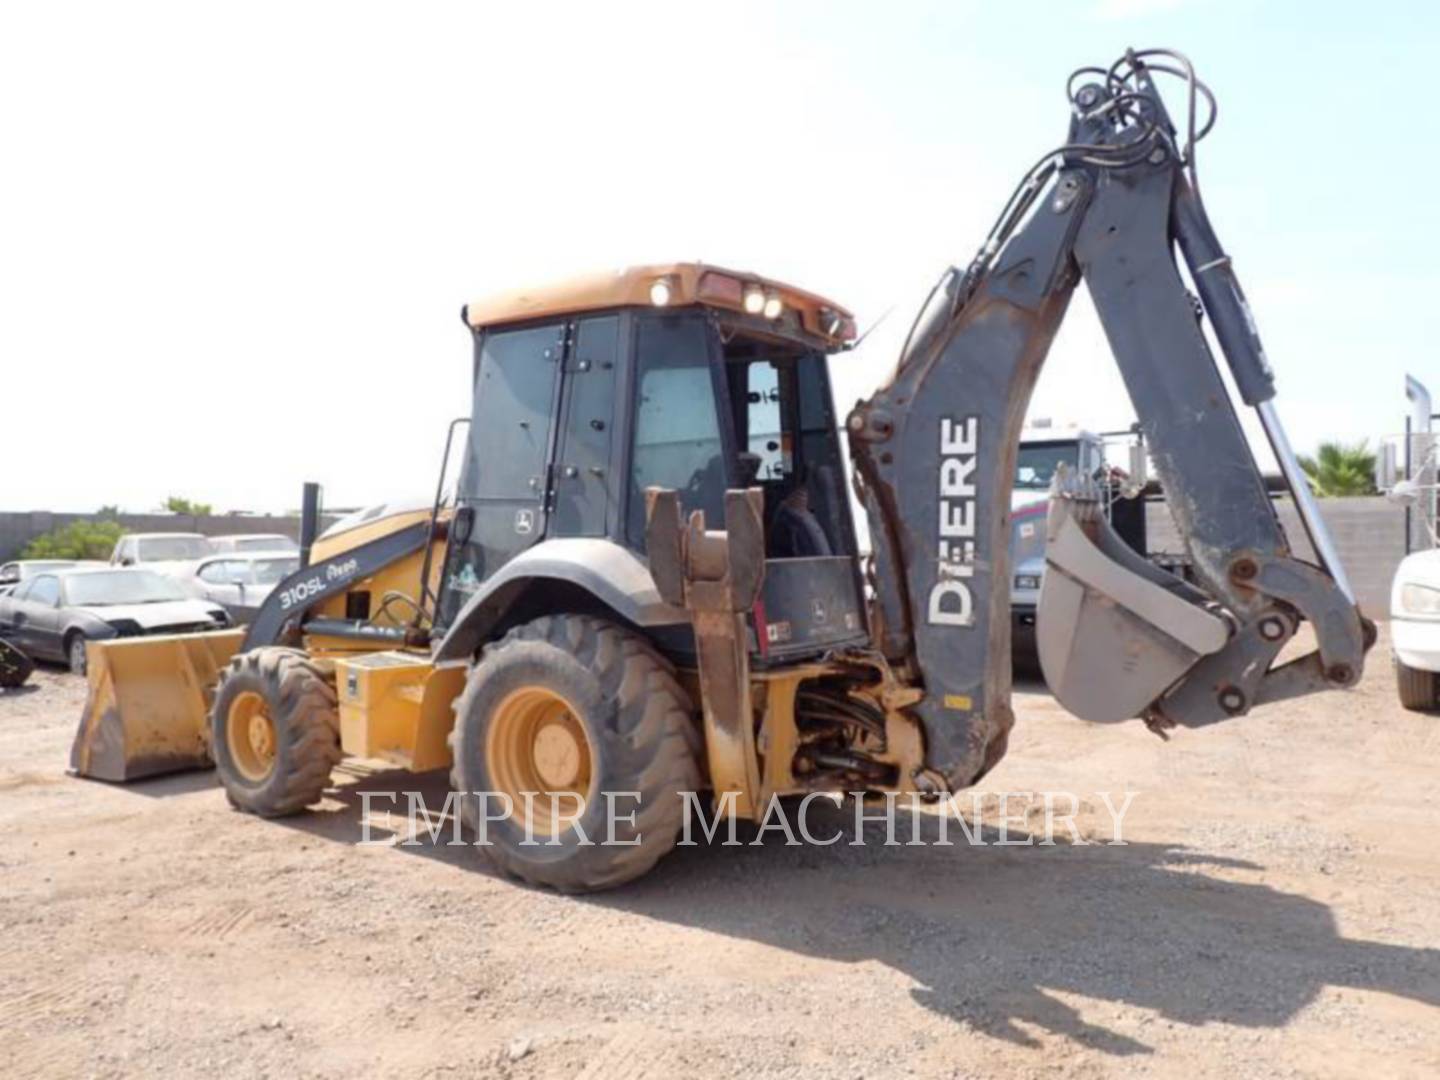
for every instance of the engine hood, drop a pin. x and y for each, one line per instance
(170, 567)
(154, 616)
(1421, 568)
(1035, 564)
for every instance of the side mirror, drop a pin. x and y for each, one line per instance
(1405, 492)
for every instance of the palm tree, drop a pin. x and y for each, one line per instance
(1341, 469)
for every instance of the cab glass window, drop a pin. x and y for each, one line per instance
(510, 434)
(765, 426)
(677, 425)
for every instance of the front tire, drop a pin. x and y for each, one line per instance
(1417, 687)
(569, 708)
(274, 731)
(75, 654)
(15, 666)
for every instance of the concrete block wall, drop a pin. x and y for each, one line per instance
(1369, 533)
(18, 528)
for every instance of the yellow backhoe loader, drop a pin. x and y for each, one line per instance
(576, 623)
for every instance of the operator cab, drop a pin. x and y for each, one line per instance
(683, 377)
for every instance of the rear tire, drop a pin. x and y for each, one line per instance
(274, 731)
(1417, 687)
(572, 702)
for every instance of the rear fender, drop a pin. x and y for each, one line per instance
(613, 575)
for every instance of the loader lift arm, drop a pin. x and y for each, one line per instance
(934, 451)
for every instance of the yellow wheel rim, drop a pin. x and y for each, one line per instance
(250, 737)
(540, 756)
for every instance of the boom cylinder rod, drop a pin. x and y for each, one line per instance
(1304, 498)
(1239, 338)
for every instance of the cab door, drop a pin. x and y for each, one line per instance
(503, 497)
(584, 490)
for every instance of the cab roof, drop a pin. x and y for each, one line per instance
(685, 284)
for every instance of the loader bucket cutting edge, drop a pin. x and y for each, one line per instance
(147, 706)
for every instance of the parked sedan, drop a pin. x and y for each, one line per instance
(1415, 629)
(160, 551)
(240, 581)
(53, 615)
(12, 573)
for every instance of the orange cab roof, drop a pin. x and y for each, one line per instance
(685, 284)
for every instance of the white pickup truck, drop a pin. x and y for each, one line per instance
(1042, 450)
(1415, 628)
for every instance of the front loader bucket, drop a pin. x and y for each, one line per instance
(148, 704)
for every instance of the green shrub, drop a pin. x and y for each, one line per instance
(178, 505)
(78, 540)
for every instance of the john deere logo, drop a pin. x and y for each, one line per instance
(818, 610)
(524, 522)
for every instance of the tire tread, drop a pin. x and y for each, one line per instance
(655, 723)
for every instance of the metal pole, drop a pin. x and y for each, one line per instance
(1407, 477)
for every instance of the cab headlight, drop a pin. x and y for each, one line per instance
(1419, 600)
(661, 292)
(754, 300)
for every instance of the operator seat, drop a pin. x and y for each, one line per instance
(795, 532)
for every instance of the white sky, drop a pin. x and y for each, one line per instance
(234, 241)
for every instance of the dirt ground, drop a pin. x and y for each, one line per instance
(1276, 912)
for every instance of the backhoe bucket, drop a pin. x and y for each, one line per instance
(1113, 631)
(147, 710)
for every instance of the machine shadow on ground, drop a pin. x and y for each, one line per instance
(993, 937)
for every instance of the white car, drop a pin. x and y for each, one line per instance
(13, 573)
(163, 552)
(266, 542)
(1415, 628)
(240, 581)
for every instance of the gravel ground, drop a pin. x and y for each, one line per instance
(1274, 913)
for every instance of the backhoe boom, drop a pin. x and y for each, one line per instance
(935, 457)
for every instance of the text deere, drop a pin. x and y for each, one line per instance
(951, 600)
